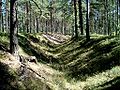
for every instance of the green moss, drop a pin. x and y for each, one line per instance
(84, 61)
(2, 56)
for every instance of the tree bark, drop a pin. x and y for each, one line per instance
(51, 21)
(13, 30)
(87, 21)
(80, 16)
(2, 23)
(117, 17)
(37, 25)
(0, 15)
(7, 16)
(27, 14)
(30, 16)
(75, 11)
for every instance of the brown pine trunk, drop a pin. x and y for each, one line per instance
(51, 22)
(87, 21)
(51, 16)
(33, 17)
(13, 30)
(75, 11)
(7, 17)
(27, 20)
(46, 26)
(2, 23)
(30, 17)
(62, 26)
(117, 17)
(0, 15)
(37, 24)
(80, 16)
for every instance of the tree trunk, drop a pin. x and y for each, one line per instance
(75, 11)
(30, 16)
(80, 16)
(27, 14)
(87, 21)
(37, 24)
(117, 17)
(7, 16)
(0, 15)
(33, 23)
(105, 17)
(62, 25)
(2, 23)
(13, 30)
(46, 26)
(51, 22)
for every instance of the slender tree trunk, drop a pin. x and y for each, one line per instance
(8, 22)
(63, 32)
(41, 24)
(37, 24)
(0, 15)
(23, 25)
(7, 16)
(46, 26)
(80, 16)
(13, 30)
(16, 16)
(51, 16)
(30, 17)
(65, 29)
(108, 27)
(105, 17)
(51, 22)
(117, 15)
(56, 26)
(27, 20)
(2, 23)
(91, 19)
(76, 29)
(87, 21)
(33, 24)
(107, 22)
(62, 26)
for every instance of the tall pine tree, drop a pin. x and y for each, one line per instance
(13, 30)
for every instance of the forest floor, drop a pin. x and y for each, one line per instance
(63, 63)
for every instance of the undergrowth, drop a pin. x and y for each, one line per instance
(92, 65)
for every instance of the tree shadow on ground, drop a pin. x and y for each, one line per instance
(111, 85)
(100, 59)
(33, 51)
(100, 62)
(7, 79)
(19, 80)
(82, 45)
